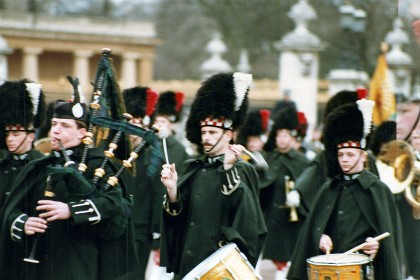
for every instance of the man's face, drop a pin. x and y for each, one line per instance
(163, 121)
(210, 136)
(284, 141)
(406, 118)
(351, 160)
(254, 143)
(66, 132)
(19, 142)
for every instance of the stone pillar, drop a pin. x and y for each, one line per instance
(30, 63)
(129, 69)
(81, 67)
(145, 75)
(299, 63)
(399, 62)
(4, 51)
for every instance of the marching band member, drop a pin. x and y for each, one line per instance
(216, 199)
(22, 113)
(408, 114)
(285, 165)
(168, 114)
(68, 228)
(253, 137)
(314, 176)
(354, 205)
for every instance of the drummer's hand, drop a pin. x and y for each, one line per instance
(371, 247)
(232, 156)
(325, 244)
(169, 178)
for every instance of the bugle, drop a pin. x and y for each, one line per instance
(397, 169)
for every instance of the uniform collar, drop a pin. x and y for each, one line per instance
(20, 157)
(59, 154)
(351, 176)
(214, 159)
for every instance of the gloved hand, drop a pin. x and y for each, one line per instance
(293, 199)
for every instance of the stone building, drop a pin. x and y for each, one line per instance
(46, 49)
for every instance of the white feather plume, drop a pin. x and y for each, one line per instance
(366, 107)
(242, 82)
(35, 92)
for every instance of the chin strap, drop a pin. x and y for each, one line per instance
(211, 149)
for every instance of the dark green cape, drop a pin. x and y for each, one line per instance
(375, 195)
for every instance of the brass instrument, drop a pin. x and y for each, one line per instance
(397, 169)
(288, 186)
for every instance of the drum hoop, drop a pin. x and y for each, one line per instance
(211, 261)
(364, 261)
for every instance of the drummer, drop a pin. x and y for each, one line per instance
(354, 206)
(216, 200)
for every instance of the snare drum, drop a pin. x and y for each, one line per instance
(226, 263)
(339, 266)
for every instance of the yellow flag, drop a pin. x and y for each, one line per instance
(381, 92)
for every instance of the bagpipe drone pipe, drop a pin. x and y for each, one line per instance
(108, 128)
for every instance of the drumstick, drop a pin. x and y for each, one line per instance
(163, 133)
(358, 247)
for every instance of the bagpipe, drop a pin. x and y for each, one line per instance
(108, 126)
(109, 129)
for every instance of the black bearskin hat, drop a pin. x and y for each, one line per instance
(346, 127)
(256, 125)
(285, 119)
(140, 102)
(384, 133)
(170, 104)
(23, 105)
(221, 101)
(344, 97)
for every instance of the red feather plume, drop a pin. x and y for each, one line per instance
(361, 93)
(179, 98)
(265, 117)
(151, 101)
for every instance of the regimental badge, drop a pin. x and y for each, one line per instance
(227, 123)
(77, 110)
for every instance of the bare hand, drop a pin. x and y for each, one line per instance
(34, 224)
(371, 247)
(232, 155)
(325, 244)
(54, 210)
(169, 178)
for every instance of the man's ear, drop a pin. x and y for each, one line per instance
(228, 135)
(364, 156)
(82, 133)
(31, 137)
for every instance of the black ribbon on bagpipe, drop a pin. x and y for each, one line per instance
(106, 102)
